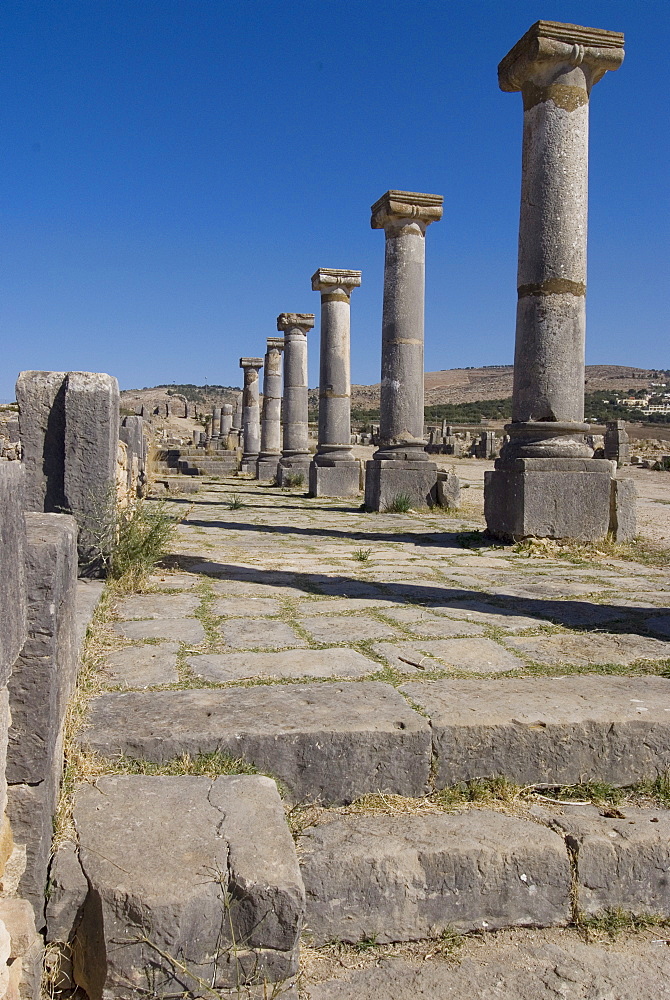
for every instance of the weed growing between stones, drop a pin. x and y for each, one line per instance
(362, 555)
(641, 550)
(207, 765)
(400, 504)
(615, 920)
(294, 480)
(235, 502)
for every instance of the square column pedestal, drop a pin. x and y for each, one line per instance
(339, 479)
(558, 498)
(266, 468)
(385, 479)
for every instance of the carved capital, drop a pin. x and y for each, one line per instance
(295, 321)
(330, 280)
(251, 363)
(275, 343)
(550, 48)
(406, 206)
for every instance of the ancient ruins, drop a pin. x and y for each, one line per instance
(340, 718)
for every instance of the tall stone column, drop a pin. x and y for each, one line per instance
(401, 464)
(226, 424)
(546, 482)
(295, 457)
(215, 430)
(251, 413)
(334, 472)
(236, 429)
(270, 453)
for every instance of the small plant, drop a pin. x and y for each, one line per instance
(362, 555)
(449, 941)
(400, 504)
(615, 919)
(294, 480)
(144, 531)
(366, 943)
(235, 502)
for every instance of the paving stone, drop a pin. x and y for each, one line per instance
(334, 741)
(557, 730)
(572, 614)
(482, 656)
(585, 650)
(488, 614)
(348, 588)
(258, 633)
(157, 606)
(158, 853)
(336, 605)
(173, 581)
(660, 624)
(253, 589)
(539, 588)
(142, 666)
(424, 623)
(407, 877)
(623, 856)
(291, 663)
(245, 607)
(346, 628)
(187, 630)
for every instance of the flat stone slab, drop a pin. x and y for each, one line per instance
(346, 628)
(290, 663)
(337, 605)
(515, 965)
(425, 623)
(143, 666)
(488, 614)
(660, 624)
(623, 856)
(246, 607)
(173, 581)
(558, 730)
(159, 855)
(408, 877)
(481, 656)
(587, 650)
(258, 633)
(408, 657)
(187, 630)
(157, 606)
(330, 741)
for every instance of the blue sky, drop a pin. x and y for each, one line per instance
(174, 171)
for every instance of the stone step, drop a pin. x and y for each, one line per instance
(332, 742)
(408, 877)
(177, 881)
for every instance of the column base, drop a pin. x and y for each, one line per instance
(385, 480)
(341, 479)
(266, 468)
(557, 498)
(293, 465)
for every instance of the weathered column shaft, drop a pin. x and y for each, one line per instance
(251, 414)
(215, 431)
(226, 419)
(295, 439)
(237, 414)
(271, 418)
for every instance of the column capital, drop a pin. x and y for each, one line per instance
(251, 362)
(329, 279)
(291, 321)
(275, 343)
(548, 45)
(399, 206)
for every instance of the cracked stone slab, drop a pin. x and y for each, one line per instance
(290, 663)
(587, 650)
(423, 622)
(328, 741)
(157, 606)
(142, 666)
(408, 877)
(623, 856)
(258, 633)
(187, 630)
(159, 855)
(246, 607)
(481, 656)
(346, 628)
(557, 730)
(488, 614)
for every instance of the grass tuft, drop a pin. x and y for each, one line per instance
(615, 920)
(362, 555)
(294, 480)
(400, 504)
(235, 502)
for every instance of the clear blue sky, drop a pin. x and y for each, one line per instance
(173, 172)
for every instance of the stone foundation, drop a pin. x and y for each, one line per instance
(342, 479)
(385, 480)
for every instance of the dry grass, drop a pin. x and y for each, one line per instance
(641, 550)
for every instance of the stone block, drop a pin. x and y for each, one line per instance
(266, 469)
(556, 730)
(342, 479)
(88, 594)
(157, 606)
(46, 669)
(623, 516)
(331, 742)
(296, 465)
(68, 891)
(258, 633)
(408, 877)
(187, 630)
(26, 948)
(142, 666)
(131, 432)
(448, 489)
(386, 479)
(41, 399)
(623, 856)
(541, 502)
(31, 809)
(12, 574)
(190, 880)
(290, 663)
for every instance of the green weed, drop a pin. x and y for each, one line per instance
(400, 504)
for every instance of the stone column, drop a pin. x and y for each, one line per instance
(270, 453)
(215, 432)
(334, 472)
(546, 482)
(251, 413)
(226, 423)
(236, 429)
(295, 457)
(401, 465)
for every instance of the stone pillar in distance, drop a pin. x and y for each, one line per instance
(215, 432)
(401, 464)
(546, 483)
(236, 428)
(226, 423)
(270, 453)
(295, 457)
(251, 413)
(334, 472)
